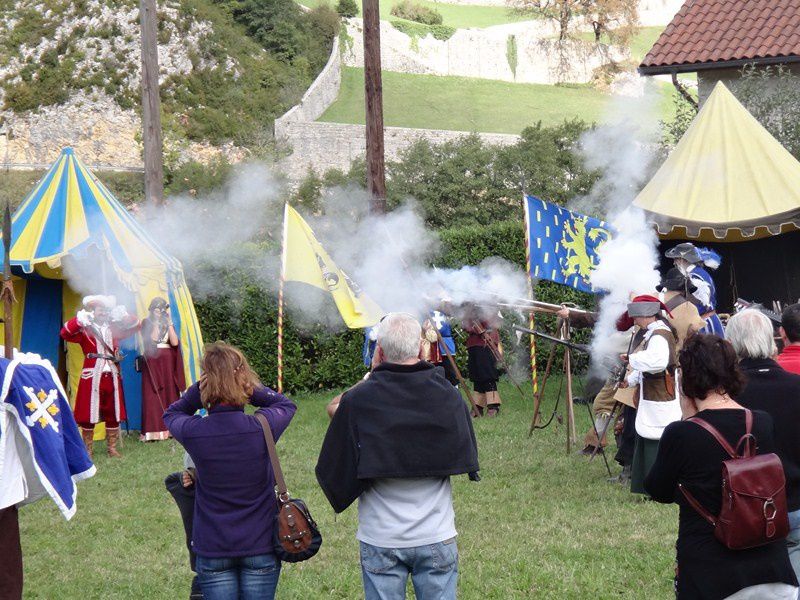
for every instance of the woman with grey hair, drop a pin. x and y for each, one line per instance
(776, 392)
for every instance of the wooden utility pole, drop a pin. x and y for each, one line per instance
(373, 90)
(151, 105)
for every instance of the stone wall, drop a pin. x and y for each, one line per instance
(519, 52)
(322, 93)
(707, 79)
(658, 12)
(321, 146)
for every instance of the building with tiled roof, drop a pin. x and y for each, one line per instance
(716, 38)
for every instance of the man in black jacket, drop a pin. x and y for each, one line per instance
(393, 442)
(777, 392)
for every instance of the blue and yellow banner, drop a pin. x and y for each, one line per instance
(562, 245)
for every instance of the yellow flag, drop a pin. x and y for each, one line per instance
(305, 261)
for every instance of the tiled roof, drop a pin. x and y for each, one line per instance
(715, 31)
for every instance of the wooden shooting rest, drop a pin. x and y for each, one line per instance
(563, 331)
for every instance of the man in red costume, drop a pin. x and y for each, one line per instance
(99, 328)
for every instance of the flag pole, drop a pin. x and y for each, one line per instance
(531, 315)
(280, 297)
(8, 286)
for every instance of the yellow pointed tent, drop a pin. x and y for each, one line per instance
(727, 180)
(70, 217)
(731, 186)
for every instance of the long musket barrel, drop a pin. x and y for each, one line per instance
(579, 347)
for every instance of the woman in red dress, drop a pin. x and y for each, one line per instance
(163, 380)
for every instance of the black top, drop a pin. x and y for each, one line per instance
(404, 421)
(688, 454)
(777, 392)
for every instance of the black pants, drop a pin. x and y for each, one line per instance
(627, 439)
(10, 555)
(184, 498)
(449, 371)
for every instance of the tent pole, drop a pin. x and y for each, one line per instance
(281, 284)
(8, 286)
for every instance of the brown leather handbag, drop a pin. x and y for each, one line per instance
(295, 534)
(754, 511)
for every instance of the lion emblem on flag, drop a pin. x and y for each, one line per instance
(581, 243)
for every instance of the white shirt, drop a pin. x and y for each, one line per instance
(404, 513)
(654, 358)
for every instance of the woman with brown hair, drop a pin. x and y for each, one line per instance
(690, 456)
(235, 501)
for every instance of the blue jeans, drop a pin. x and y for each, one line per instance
(242, 578)
(793, 541)
(433, 569)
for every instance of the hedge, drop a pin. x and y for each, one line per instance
(316, 358)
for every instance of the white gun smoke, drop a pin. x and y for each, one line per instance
(389, 256)
(622, 149)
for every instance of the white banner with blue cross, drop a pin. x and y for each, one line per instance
(562, 245)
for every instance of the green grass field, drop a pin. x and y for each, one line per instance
(465, 104)
(541, 524)
(460, 17)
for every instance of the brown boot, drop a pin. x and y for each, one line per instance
(88, 440)
(112, 437)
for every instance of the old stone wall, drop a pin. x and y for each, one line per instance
(322, 93)
(520, 52)
(321, 146)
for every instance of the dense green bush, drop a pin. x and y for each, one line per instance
(347, 8)
(411, 11)
(418, 30)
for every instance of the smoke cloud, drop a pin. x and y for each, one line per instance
(622, 149)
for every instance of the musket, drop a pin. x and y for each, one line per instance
(8, 286)
(579, 347)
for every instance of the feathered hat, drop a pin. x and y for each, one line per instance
(92, 302)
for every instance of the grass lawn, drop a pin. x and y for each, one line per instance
(541, 524)
(454, 15)
(465, 104)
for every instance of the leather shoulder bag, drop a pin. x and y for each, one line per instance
(753, 511)
(295, 534)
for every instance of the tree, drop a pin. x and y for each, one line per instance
(772, 95)
(617, 19)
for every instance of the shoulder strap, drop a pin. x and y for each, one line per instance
(717, 435)
(283, 493)
(697, 506)
(675, 302)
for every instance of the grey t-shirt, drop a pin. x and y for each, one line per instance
(403, 513)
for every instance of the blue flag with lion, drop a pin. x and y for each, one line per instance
(562, 244)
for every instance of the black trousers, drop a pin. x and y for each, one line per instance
(10, 555)
(184, 498)
(627, 439)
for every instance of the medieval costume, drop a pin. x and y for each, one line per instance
(447, 345)
(652, 377)
(368, 349)
(676, 292)
(692, 262)
(99, 328)
(41, 454)
(483, 352)
(163, 379)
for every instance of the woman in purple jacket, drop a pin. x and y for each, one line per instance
(235, 501)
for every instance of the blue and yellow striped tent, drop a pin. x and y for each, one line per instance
(71, 216)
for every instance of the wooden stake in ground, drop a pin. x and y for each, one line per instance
(151, 105)
(571, 433)
(373, 95)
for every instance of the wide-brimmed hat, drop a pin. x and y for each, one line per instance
(687, 251)
(675, 281)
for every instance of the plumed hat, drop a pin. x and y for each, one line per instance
(92, 302)
(687, 251)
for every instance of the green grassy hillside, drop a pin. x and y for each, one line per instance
(458, 16)
(464, 104)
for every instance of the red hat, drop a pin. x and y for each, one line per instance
(646, 306)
